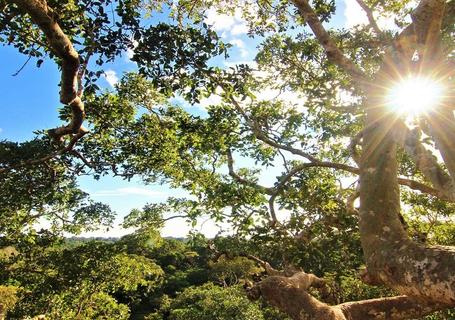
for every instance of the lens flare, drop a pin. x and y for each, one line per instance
(414, 95)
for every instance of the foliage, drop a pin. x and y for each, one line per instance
(60, 281)
(212, 302)
(8, 298)
(281, 171)
(229, 272)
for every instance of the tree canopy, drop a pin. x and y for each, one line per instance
(353, 176)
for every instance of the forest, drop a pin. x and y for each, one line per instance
(329, 158)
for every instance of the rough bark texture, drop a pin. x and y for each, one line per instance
(424, 275)
(290, 294)
(425, 161)
(391, 257)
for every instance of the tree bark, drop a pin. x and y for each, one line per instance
(46, 19)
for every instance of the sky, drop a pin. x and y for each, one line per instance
(30, 101)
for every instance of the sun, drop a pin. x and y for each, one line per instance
(414, 95)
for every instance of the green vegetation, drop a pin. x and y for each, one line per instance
(331, 197)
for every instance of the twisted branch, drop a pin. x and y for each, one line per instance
(70, 94)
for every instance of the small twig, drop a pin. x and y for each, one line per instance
(23, 66)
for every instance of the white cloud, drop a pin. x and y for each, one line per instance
(228, 24)
(354, 14)
(240, 28)
(237, 42)
(129, 53)
(127, 191)
(111, 77)
(1, 130)
(219, 21)
(213, 99)
(241, 46)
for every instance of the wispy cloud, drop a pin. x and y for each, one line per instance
(111, 77)
(128, 191)
(213, 99)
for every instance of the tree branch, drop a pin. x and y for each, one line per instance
(60, 44)
(48, 157)
(232, 173)
(442, 124)
(369, 13)
(290, 295)
(425, 161)
(334, 53)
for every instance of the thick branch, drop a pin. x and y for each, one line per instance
(426, 22)
(442, 123)
(334, 53)
(62, 47)
(290, 295)
(425, 161)
(391, 257)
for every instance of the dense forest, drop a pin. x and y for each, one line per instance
(330, 156)
(145, 276)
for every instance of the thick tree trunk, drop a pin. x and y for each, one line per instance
(391, 257)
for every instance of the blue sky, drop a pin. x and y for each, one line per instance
(30, 101)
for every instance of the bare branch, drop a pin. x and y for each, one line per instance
(23, 66)
(62, 47)
(370, 16)
(290, 295)
(242, 180)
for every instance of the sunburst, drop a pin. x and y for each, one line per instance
(414, 95)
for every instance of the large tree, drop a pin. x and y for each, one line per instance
(336, 127)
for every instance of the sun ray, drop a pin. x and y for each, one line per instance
(414, 95)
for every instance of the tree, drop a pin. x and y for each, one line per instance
(95, 280)
(210, 302)
(137, 132)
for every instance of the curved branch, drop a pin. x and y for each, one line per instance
(334, 53)
(290, 295)
(46, 19)
(425, 161)
(242, 180)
